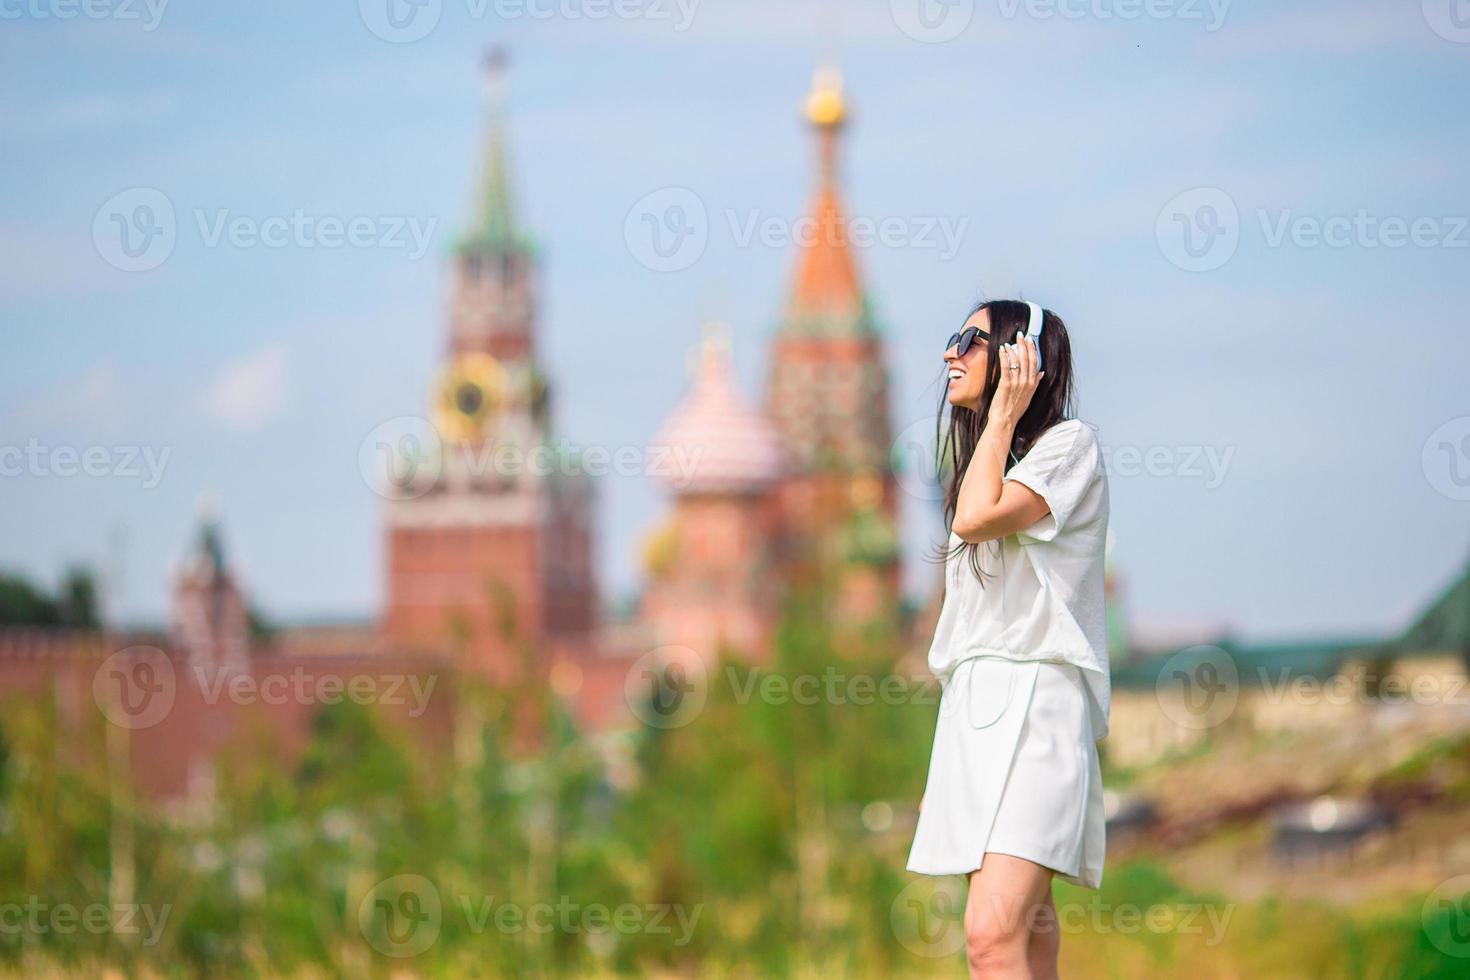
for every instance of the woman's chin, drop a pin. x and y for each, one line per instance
(957, 398)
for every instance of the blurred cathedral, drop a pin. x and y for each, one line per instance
(800, 494)
(487, 565)
(490, 568)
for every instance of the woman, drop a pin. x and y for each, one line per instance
(1014, 794)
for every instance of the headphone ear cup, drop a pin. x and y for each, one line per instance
(1035, 324)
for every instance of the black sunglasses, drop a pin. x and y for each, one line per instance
(965, 339)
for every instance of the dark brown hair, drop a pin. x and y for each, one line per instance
(1052, 402)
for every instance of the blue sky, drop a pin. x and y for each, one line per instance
(1304, 401)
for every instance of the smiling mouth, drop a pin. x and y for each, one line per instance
(955, 376)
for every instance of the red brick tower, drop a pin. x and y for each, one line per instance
(492, 556)
(828, 395)
(208, 618)
(712, 579)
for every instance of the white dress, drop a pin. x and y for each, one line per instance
(1022, 659)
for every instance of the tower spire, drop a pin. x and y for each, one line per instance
(828, 396)
(826, 111)
(827, 296)
(494, 222)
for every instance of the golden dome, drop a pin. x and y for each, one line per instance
(825, 105)
(661, 550)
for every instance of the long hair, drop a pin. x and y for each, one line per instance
(1051, 403)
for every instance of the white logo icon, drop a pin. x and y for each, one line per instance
(1199, 230)
(401, 915)
(1446, 459)
(135, 229)
(1198, 688)
(915, 462)
(667, 687)
(932, 21)
(400, 21)
(135, 687)
(401, 458)
(1450, 19)
(928, 917)
(667, 231)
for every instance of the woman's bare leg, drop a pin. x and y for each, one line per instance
(1045, 943)
(1008, 896)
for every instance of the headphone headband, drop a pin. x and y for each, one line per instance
(1034, 323)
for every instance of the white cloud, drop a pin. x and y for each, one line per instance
(253, 391)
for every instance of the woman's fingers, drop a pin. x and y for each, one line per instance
(1016, 366)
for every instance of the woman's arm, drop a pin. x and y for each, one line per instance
(988, 507)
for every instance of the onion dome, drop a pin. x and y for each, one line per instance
(718, 443)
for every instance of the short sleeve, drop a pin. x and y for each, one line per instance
(1061, 467)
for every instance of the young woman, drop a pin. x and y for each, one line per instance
(1014, 794)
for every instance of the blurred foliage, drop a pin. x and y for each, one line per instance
(23, 603)
(765, 837)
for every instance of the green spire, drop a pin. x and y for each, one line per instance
(209, 551)
(212, 547)
(494, 224)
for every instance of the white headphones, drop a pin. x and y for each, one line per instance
(1033, 329)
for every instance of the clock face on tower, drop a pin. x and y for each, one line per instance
(470, 394)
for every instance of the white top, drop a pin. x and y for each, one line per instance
(1042, 595)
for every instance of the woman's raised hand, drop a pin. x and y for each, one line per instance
(1018, 381)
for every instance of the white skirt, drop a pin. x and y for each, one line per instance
(1014, 771)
